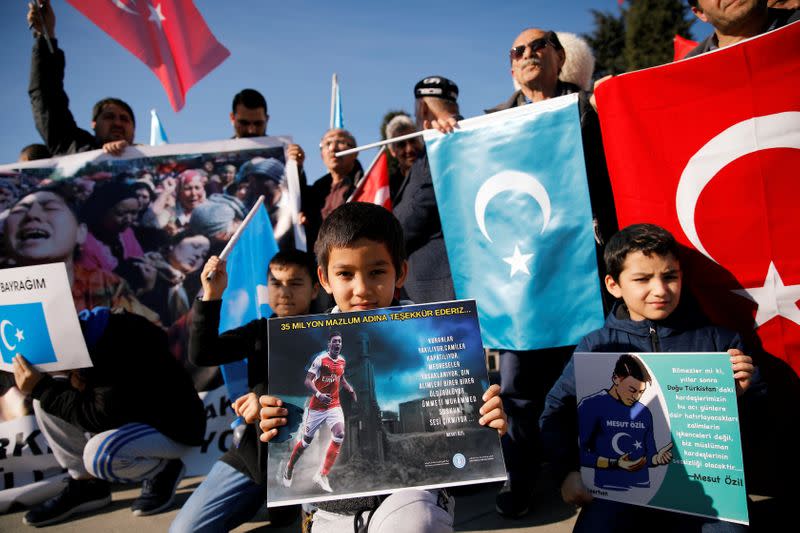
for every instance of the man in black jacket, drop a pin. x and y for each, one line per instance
(137, 403)
(235, 488)
(113, 122)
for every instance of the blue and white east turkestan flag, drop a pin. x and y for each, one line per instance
(514, 204)
(245, 298)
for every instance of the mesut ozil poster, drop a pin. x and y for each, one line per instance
(395, 403)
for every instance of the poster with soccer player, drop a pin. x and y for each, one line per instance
(379, 400)
(661, 430)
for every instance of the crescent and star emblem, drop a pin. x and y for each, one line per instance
(514, 181)
(155, 12)
(779, 130)
(615, 443)
(19, 334)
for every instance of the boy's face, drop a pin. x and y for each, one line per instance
(362, 277)
(650, 285)
(628, 390)
(290, 290)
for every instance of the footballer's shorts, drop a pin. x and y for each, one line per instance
(314, 418)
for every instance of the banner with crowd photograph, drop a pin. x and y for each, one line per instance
(397, 405)
(134, 232)
(662, 430)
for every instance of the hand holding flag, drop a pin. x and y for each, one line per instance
(25, 375)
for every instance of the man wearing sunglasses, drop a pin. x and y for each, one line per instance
(536, 58)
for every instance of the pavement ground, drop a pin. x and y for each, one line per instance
(475, 513)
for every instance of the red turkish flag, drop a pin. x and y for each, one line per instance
(374, 186)
(169, 36)
(709, 148)
(682, 46)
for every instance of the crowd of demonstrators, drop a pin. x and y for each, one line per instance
(137, 242)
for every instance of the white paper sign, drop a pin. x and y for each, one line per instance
(38, 319)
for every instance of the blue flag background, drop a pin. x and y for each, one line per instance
(514, 204)
(23, 330)
(245, 297)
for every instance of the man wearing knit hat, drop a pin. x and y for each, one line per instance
(429, 278)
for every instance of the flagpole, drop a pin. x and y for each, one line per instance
(333, 98)
(379, 143)
(238, 233)
(360, 184)
(38, 9)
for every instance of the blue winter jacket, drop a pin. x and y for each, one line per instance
(686, 330)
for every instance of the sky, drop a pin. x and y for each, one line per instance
(288, 51)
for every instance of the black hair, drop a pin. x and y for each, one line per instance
(103, 198)
(630, 365)
(334, 333)
(299, 258)
(65, 190)
(358, 220)
(692, 3)
(250, 98)
(98, 108)
(646, 238)
(33, 152)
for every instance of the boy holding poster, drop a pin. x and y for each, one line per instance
(644, 272)
(362, 261)
(239, 475)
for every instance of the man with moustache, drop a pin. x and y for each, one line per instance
(536, 59)
(113, 122)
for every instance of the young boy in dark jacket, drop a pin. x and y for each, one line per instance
(644, 273)
(235, 488)
(362, 261)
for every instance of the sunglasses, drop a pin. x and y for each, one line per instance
(402, 144)
(535, 45)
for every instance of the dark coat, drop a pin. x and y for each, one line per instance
(207, 347)
(429, 278)
(50, 104)
(135, 378)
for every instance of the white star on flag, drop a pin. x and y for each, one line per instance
(518, 262)
(773, 298)
(155, 15)
(637, 445)
(19, 335)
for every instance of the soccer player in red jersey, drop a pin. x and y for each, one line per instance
(324, 375)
